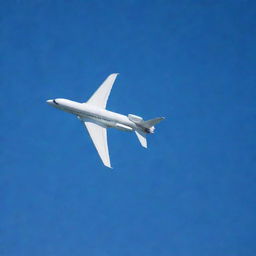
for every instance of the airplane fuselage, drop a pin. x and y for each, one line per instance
(92, 113)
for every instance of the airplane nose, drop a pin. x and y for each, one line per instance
(49, 101)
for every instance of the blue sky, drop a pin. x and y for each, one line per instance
(192, 192)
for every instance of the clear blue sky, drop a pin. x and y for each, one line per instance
(192, 192)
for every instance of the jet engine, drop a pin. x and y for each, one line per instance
(123, 127)
(135, 119)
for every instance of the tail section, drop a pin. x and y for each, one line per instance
(146, 127)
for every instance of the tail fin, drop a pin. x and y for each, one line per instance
(142, 138)
(151, 122)
(149, 126)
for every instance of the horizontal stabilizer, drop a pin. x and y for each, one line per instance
(152, 122)
(142, 138)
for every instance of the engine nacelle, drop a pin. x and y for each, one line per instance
(123, 127)
(135, 119)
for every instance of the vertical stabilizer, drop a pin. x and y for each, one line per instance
(142, 138)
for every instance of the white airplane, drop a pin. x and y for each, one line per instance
(96, 118)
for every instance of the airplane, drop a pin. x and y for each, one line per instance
(96, 118)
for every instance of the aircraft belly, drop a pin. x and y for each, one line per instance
(106, 122)
(99, 120)
(103, 117)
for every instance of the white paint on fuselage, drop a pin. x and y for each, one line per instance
(87, 111)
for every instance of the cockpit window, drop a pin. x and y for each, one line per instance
(55, 102)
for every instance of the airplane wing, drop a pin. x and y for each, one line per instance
(100, 97)
(99, 137)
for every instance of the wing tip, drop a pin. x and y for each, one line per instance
(114, 74)
(107, 163)
(109, 166)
